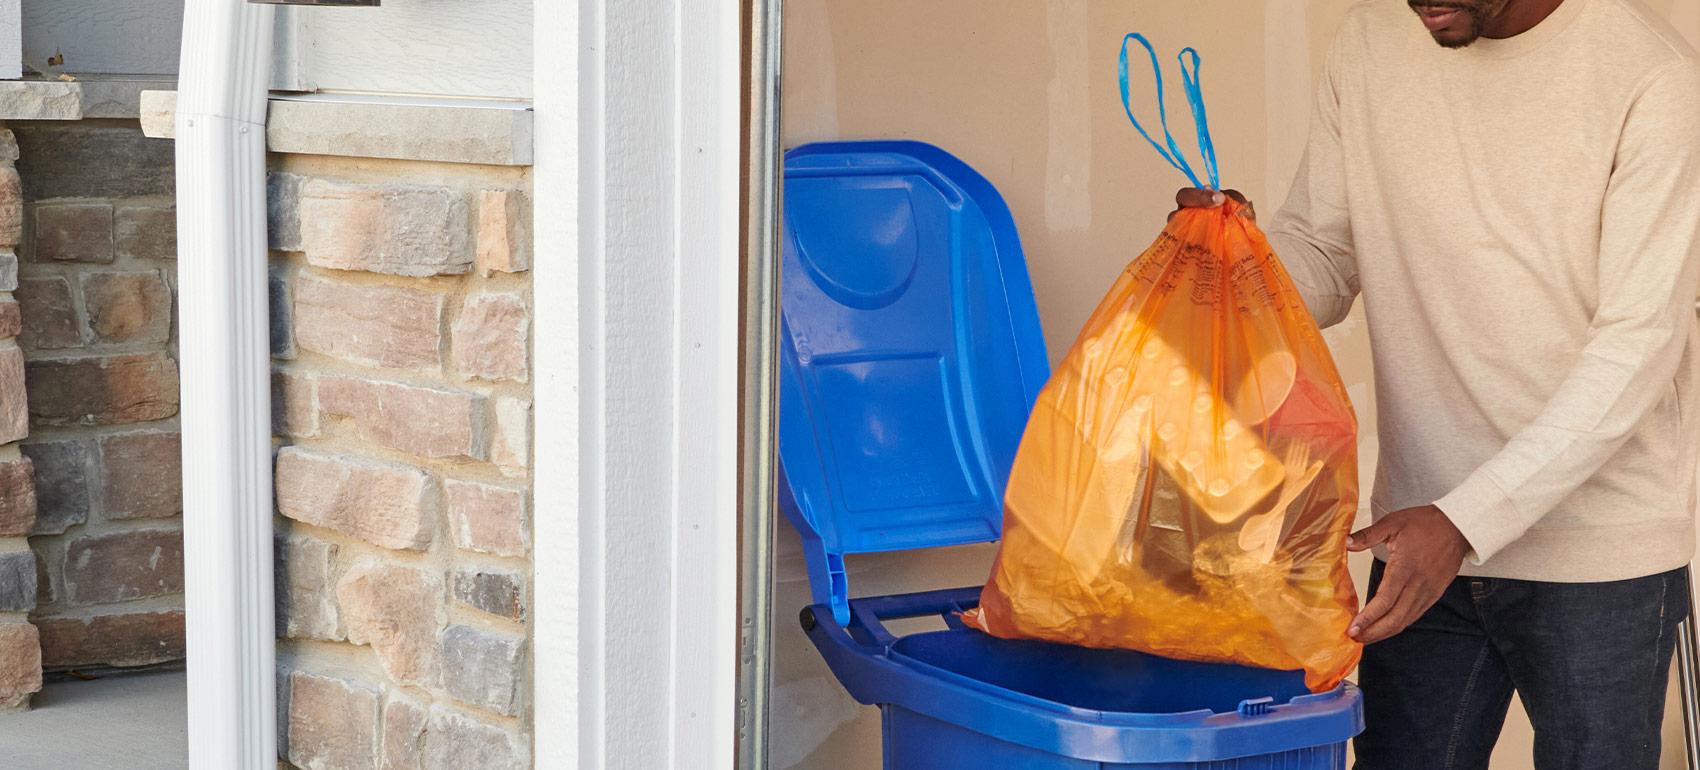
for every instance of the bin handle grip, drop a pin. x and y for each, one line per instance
(1256, 707)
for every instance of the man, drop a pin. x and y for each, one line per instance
(1519, 206)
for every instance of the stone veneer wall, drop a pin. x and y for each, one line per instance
(20, 647)
(96, 289)
(401, 328)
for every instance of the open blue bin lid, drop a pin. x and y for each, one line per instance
(910, 353)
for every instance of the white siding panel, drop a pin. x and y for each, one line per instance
(440, 47)
(11, 40)
(136, 37)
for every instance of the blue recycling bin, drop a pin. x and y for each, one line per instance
(911, 354)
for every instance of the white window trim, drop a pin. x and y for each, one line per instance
(636, 188)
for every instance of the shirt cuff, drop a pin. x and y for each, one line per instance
(1484, 514)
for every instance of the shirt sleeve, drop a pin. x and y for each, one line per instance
(1649, 270)
(1312, 232)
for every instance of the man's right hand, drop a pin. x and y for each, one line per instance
(1199, 198)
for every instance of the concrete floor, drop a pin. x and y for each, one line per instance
(119, 722)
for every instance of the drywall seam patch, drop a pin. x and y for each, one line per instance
(1068, 152)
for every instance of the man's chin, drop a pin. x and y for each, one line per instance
(1450, 39)
(1462, 29)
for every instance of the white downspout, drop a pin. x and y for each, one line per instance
(226, 402)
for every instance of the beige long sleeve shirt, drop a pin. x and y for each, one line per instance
(1522, 220)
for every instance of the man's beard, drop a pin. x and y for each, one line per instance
(1472, 36)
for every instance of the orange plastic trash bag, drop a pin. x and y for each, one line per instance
(1188, 476)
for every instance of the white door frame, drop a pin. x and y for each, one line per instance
(635, 280)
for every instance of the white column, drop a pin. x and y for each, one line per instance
(566, 531)
(636, 291)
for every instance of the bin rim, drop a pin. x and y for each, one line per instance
(862, 657)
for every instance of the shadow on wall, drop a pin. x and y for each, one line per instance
(96, 293)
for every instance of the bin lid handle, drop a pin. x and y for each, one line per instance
(1256, 707)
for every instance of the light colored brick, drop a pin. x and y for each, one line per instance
(73, 232)
(483, 669)
(17, 497)
(420, 421)
(14, 395)
(423, 134)
(399, 230)
(61, 484)
(120, 566)
(17, 578)
(145, 232)
(11, 319)
(385, 504)
(369, 324)
(404, 734)
(44, 99)
(11, 207)
(20, 664)
(295, 404)
(127, 307)
(306, 608)
(8, 271)
(504, 232)
(49, 314)
(122, 639)
(398, 611)
(487, 518)
(455, 741)
(510, 438)
(490, 337)
(333, 723)
(102, 390)
(143, 475)
(498, 592)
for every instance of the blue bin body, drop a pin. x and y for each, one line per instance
(911, 354)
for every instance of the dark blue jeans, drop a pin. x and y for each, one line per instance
(1590, 662)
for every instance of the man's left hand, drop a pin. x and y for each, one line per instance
(1424, 553)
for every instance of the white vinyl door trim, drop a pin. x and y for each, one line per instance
(636, 189)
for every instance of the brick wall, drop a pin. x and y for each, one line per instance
(20, 648)
(401, 330)
(95, 288)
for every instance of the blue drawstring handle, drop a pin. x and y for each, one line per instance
(1195, 99)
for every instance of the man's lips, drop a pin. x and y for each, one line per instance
(1437, 18)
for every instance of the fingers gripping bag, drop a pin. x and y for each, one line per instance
(1188, 476)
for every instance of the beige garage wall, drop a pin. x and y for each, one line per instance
(1026, 93)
